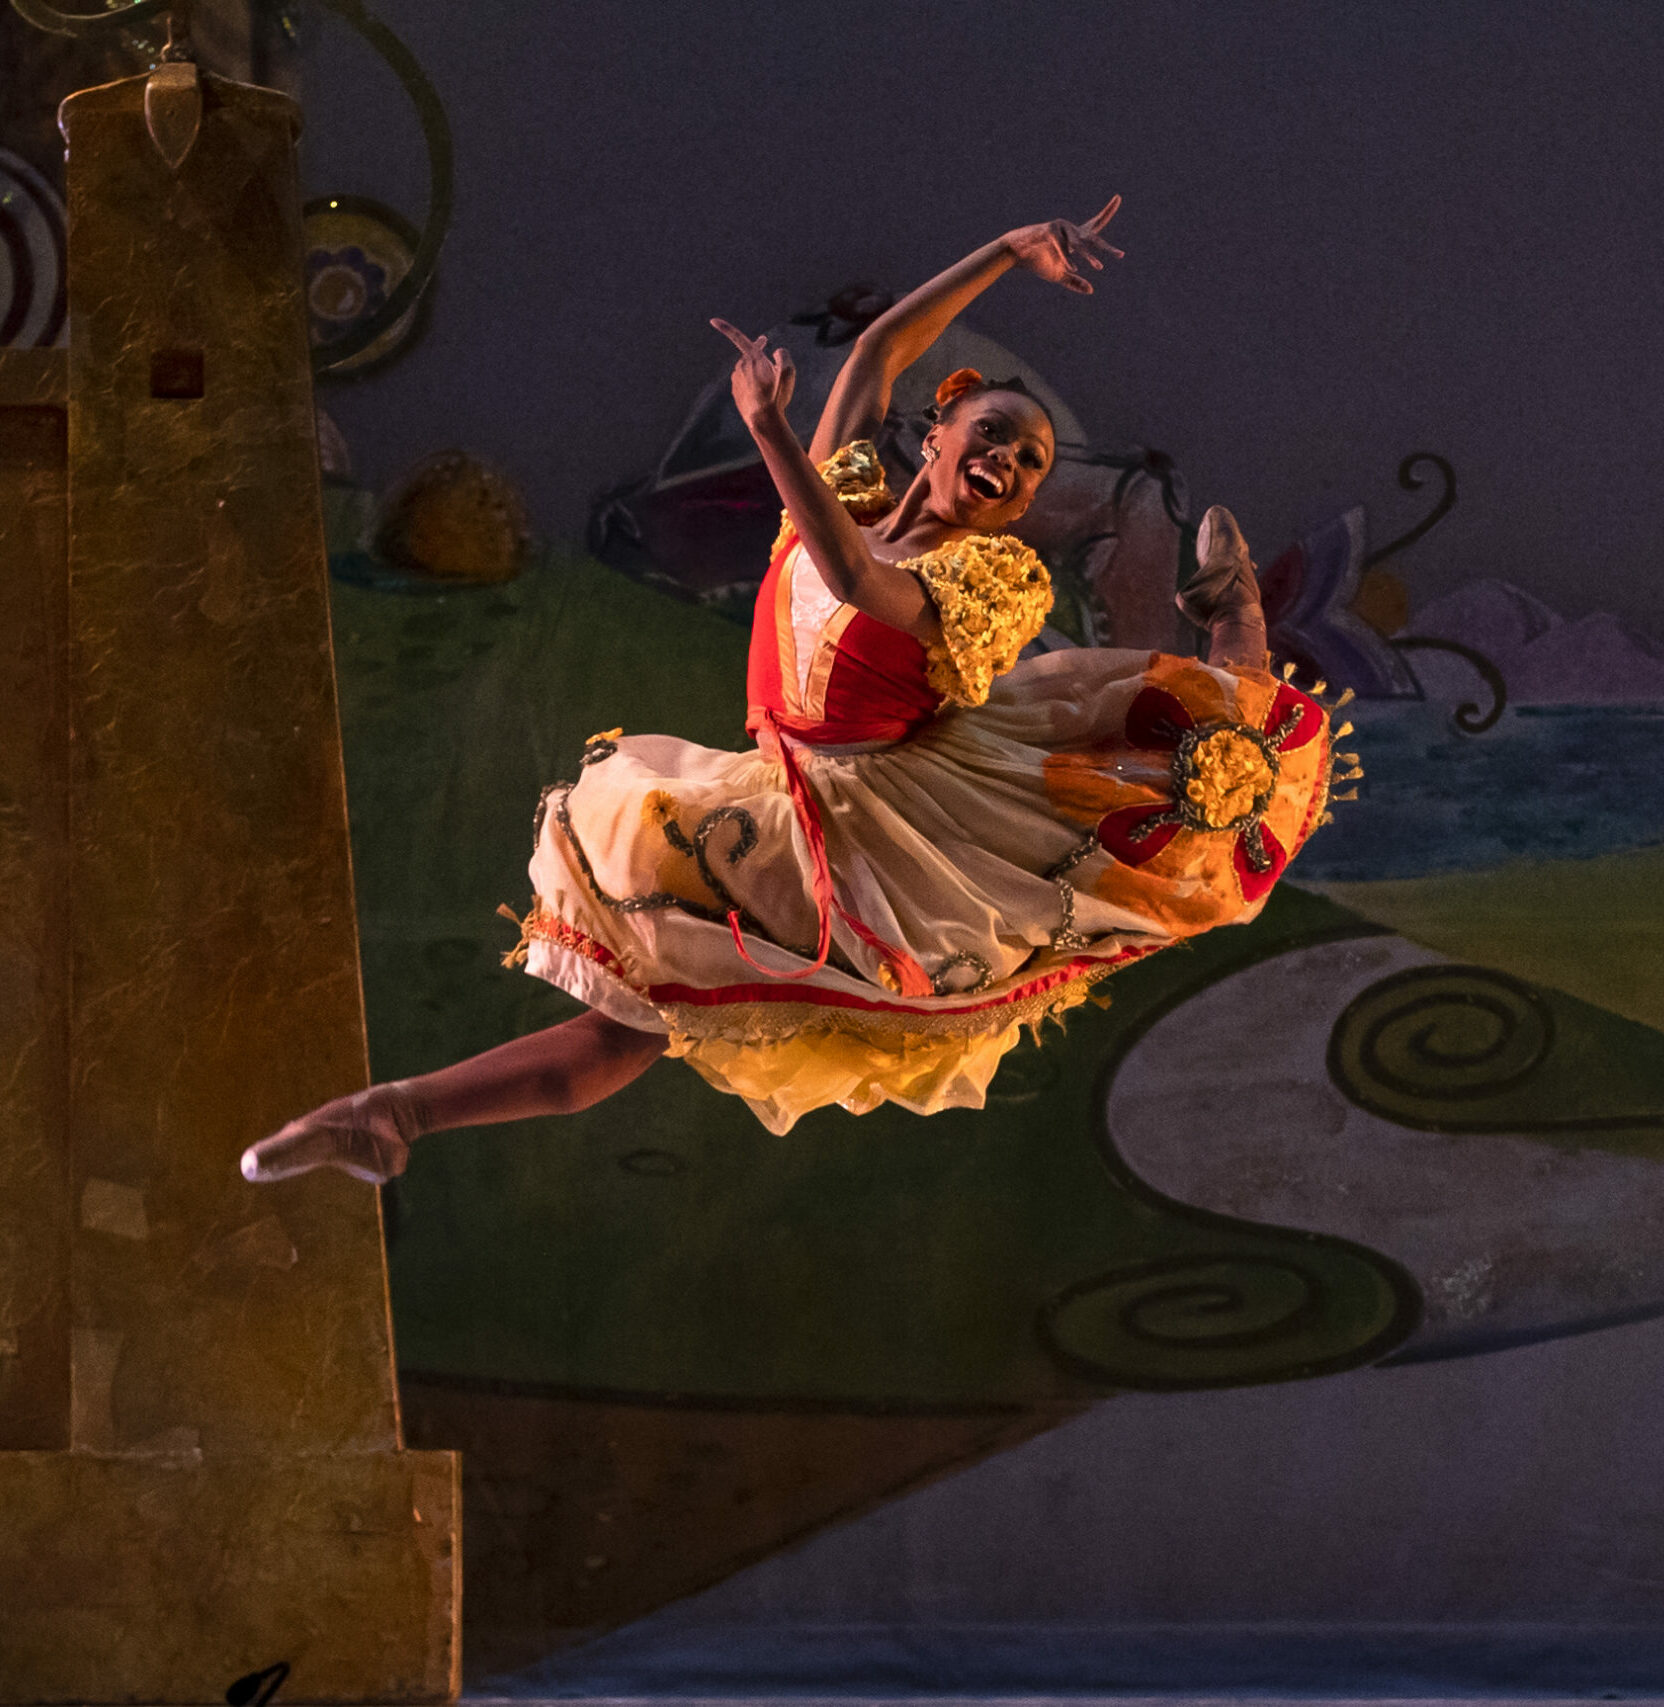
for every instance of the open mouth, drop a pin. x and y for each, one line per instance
(984, 483)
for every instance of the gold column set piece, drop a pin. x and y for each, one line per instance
(201, 1466)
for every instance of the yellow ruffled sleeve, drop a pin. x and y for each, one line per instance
(992, 594)
(856, 477)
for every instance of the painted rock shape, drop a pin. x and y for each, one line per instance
(1500, 1141)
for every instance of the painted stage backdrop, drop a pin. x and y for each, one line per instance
(1289, 1320)
(1410, 1117)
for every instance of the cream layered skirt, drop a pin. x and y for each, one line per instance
(973, 846)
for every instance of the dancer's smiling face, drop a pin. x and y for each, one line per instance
(993, 450)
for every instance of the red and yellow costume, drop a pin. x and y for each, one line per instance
(927, 849)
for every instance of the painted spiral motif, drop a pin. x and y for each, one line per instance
(1427, 1045)
(1195, 1320)
(31, 256)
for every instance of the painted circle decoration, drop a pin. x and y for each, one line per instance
(31, 256)
(357, 251)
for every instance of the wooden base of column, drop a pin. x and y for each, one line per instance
(167, 1578)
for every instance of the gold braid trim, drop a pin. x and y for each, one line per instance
(993, 595)
(856, 477)
(764, 1022)
(542, 925)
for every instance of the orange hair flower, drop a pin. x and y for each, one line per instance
(957, 384)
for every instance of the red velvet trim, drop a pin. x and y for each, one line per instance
(830, 734)
(690, 995)
(763, 682)
(724, 994)
(1116, 838)
(1311, 718)
(556, 930)
(1315, 804)
(1258, 883)
(1151, 707)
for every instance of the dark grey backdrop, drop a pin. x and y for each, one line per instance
(1353, 230)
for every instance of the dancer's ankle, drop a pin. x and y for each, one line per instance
(1237, 637)
(402, 1102)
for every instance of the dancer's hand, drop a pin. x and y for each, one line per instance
(1052, 249)
(762, 383)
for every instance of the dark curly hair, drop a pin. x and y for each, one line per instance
(941, 411)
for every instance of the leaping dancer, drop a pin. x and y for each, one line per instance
(931, 845)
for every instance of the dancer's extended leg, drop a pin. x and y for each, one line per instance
(368, 1135)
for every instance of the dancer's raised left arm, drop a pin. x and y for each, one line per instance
(899, 336)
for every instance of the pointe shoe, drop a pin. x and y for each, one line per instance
(1224, 584)
(367, 1136)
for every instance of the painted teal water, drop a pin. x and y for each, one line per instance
(1548, 782)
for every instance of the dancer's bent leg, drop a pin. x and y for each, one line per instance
(1224, 596)
(368, 1135)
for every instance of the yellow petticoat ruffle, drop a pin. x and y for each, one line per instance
(784, 1079)
(993, 595)
(787, 1060)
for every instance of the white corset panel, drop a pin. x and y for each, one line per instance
(813, 606)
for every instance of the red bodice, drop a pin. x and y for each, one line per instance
(866, 680)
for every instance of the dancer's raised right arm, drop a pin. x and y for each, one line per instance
(762, 388)
(899, 336)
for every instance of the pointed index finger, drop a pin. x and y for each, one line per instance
(1103, 216)
(746, 346)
